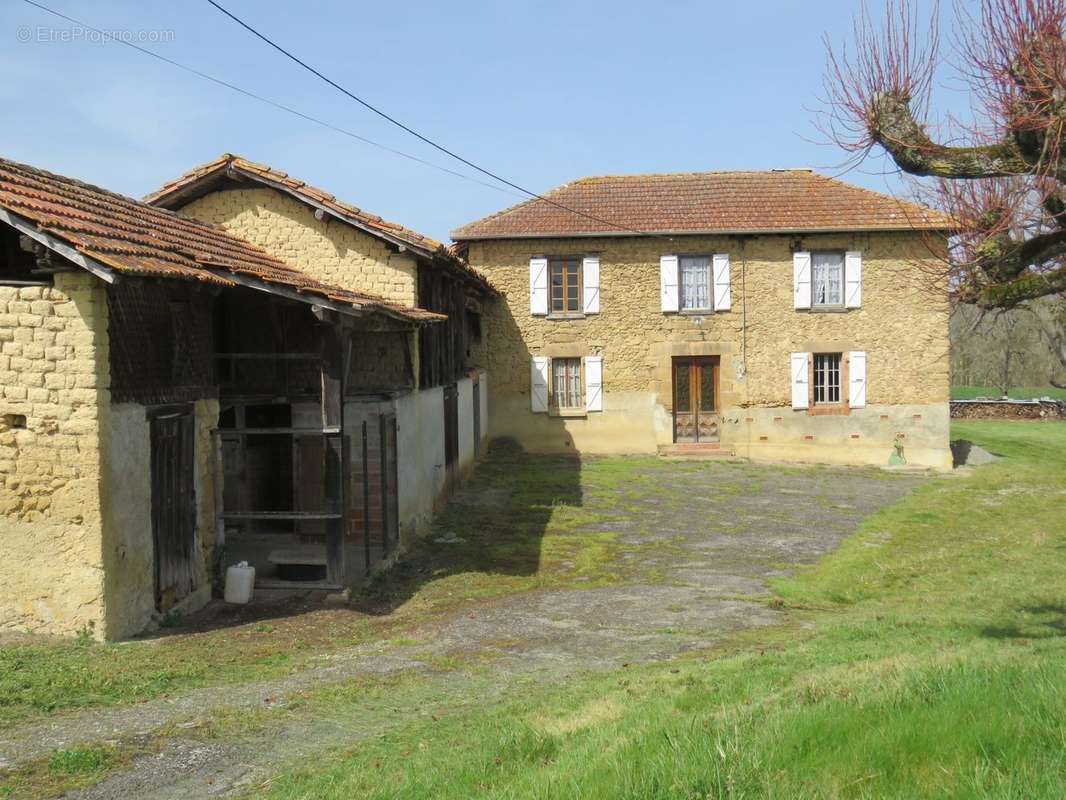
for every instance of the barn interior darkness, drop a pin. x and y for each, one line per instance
(278, 368)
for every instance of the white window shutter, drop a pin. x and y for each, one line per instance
(668, 282)
(722, 299)
(857, 379)
(853, 279)
(800, 380)
(538, 286)
(594, 383)
(538, 390)
(590, 271)
(801, 280)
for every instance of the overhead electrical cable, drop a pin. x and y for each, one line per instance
(273, 103)
(416, 134)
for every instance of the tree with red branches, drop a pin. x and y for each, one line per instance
(1002, 178)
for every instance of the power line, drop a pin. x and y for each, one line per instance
(273, 103)
(415, 133)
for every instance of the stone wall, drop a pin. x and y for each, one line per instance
(329, 250)
(902, 326)
(54, 407)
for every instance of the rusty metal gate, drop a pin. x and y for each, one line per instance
(173, 505)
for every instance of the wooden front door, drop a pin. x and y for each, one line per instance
(173, 507)
(696, 399)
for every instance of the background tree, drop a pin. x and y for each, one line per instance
(1002, 177)
(1018, 342)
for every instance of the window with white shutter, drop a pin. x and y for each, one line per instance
(800, 381)
(857, 379)
(590, 271)
(722, 299)
(538, 286)
(801, 279)
(853, 279)
(668, 282)
(594, 383)
(538, 390)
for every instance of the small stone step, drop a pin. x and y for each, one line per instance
(696, 451)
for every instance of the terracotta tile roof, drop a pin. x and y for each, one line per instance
(705, 202)
(131, 237)
(175, 193)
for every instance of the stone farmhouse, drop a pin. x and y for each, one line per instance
(243, 367)
(773, 315)
(179, 394)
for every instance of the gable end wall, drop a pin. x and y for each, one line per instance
(329, 250)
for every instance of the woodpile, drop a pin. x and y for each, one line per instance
(1008, 409)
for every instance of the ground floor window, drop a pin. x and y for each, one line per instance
(827, 378)
(566, 388)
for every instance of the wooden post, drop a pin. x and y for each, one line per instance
(366, 503)
(384, 463)
(333, 422)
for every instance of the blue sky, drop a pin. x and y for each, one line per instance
(540, 92)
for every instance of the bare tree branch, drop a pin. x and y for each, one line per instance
(1006, 186)
(892, 126)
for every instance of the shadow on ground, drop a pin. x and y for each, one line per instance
(1042, 621)
(493, 525)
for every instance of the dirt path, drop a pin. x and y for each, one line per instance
(709, 539)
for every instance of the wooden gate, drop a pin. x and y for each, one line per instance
(173, 506)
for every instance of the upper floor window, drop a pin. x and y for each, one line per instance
(827, 279)
(695, 275)
(565, 285)
(694, 283)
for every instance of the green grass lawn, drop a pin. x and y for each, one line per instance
(1017, 393)
(42, 676)
(924, 659)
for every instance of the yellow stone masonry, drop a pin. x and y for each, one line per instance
(54, 378)
(902, 326)
(330, 250)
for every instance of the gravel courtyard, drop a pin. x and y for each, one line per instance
(615, 561)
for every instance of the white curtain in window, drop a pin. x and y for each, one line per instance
(695, 282)
(828, 274)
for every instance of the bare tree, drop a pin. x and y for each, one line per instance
(1004, 182)
(1052, 322)
(1013, 351)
